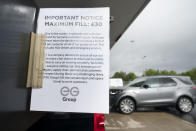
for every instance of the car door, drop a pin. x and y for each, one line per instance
(148, 96)
(166, 90)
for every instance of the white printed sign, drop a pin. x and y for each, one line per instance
(116, 82)
(76, 70)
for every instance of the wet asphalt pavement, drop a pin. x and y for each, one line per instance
(191, 117)
(149, 119)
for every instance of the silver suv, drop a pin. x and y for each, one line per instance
(155, 91)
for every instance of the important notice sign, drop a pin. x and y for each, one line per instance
(76, 70)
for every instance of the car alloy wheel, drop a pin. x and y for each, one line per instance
(185, 105)
(127, 105)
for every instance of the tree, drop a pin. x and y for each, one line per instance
(173, 73)
(151, 72)
(125, 77)
(164, 72)
(130, 76)
(119, 75)
(191, 73)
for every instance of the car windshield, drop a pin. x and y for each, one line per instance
(136, 82)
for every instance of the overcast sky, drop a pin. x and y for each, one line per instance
(162, 37)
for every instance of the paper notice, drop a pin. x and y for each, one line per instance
(76, 66)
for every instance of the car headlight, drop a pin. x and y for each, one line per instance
(115, 91)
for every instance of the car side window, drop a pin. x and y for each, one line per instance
(153, 82)
(167, 82)
(138, 84)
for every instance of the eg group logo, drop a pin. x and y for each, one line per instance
(73, 91)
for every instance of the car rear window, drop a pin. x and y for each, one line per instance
(186, 81)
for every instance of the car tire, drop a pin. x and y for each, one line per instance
(127, 105)
(184, 105)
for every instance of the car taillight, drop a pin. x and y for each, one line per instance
(99, 122)
(194, 87)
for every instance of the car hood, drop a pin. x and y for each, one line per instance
(118, 87)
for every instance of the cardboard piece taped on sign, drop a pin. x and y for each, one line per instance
(36, 61)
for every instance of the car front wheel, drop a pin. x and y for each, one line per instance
(127, 105)
(185, 105)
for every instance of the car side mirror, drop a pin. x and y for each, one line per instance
(146, 86)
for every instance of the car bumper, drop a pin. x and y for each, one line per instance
(114, 99)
